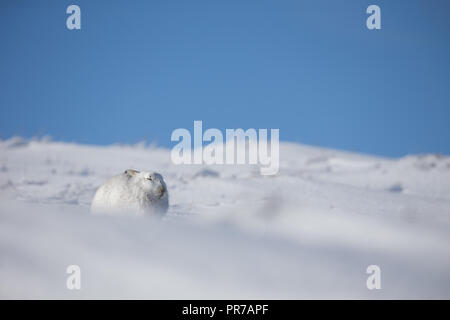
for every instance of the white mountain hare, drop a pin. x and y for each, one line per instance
(132, 192)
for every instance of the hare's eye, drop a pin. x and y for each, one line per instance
(149, 178)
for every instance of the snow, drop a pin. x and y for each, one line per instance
(308, 232)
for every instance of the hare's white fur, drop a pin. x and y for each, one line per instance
(132, 192)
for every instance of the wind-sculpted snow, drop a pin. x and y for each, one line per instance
(308, 232)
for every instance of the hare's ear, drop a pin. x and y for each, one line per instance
(131, 172)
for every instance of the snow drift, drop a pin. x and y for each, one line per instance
(308, 232)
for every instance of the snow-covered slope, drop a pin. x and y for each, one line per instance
(308, 232)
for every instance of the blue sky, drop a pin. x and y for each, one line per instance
(139, 69)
